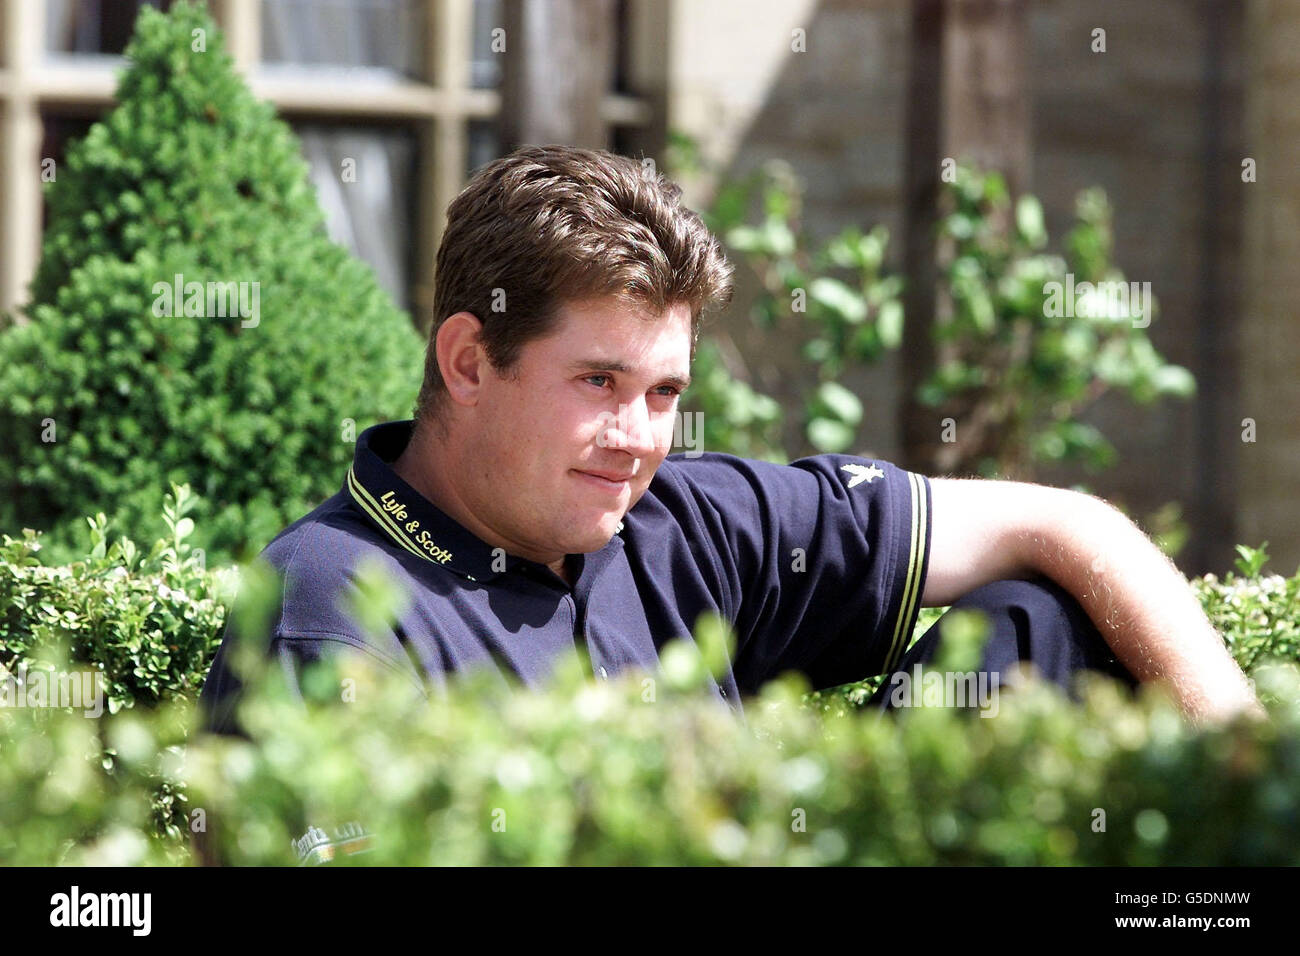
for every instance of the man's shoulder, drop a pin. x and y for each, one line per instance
(317, 556)
(314, 562)
(732, 497)
(687, 469)
(700, 492)
(712, 471)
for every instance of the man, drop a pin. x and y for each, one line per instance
(531, 506)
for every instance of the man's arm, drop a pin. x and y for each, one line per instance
(986, 531)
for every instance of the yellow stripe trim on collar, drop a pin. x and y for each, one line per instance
(372, 508)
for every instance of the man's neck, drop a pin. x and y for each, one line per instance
(562, 569)
(412, 466)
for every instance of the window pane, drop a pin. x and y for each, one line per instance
(365, 182)
(374, 33)
(93, 26)
(485, 69)
(622, 75)
(58, 133)
(484, 144)
(627, 141)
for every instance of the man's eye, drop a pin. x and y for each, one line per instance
(664, 391)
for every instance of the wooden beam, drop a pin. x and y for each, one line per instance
(968, 99)
(986, 86)
(241, 21)
(649, 75)
(557, 69)
(383, 98)
(20, 153)
(918, 433)
(324, 92)
(443, 138)
(1212, 509)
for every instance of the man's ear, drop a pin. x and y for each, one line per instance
(461, 357)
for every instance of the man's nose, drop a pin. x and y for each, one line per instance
(632, 430)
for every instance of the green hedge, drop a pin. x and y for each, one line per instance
(624, 772)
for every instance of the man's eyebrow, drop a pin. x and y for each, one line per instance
(598, 365)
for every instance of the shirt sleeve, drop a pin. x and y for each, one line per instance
(290, 653)
(823, 560)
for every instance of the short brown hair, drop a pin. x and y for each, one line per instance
(547, 225)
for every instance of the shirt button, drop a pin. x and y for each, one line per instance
(603, 674)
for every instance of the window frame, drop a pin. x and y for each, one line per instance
(439, 105)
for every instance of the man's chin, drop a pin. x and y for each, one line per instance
(595, 539)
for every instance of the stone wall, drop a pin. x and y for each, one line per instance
(1268, 498)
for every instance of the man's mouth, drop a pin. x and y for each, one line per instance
(609, 480)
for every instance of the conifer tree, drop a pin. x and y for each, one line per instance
(250, 383)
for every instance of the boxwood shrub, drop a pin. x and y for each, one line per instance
(604, 773)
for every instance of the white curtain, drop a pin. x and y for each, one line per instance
(373, 215)
(78, 26)
(377, 33)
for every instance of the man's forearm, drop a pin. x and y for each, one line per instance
(1143, 607)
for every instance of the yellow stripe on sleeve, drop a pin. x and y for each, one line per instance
(912, 581)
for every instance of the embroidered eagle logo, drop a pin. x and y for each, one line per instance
(861, 473)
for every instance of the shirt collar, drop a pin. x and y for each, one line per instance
(415, 524)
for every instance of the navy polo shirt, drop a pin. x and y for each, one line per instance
(819, 566)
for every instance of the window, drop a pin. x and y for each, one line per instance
(368, 212)
(92, 26)
(383, 34)
(406, 88)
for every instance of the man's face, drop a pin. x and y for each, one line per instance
(597, 395)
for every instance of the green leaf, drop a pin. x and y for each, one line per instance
(840, 298)
(777, 238)
(839, 402)
(1030, 223)
(717, 643)
(828, 435)
(1251, 561)
(890, 324)
(1174, 380)
(743, 238)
